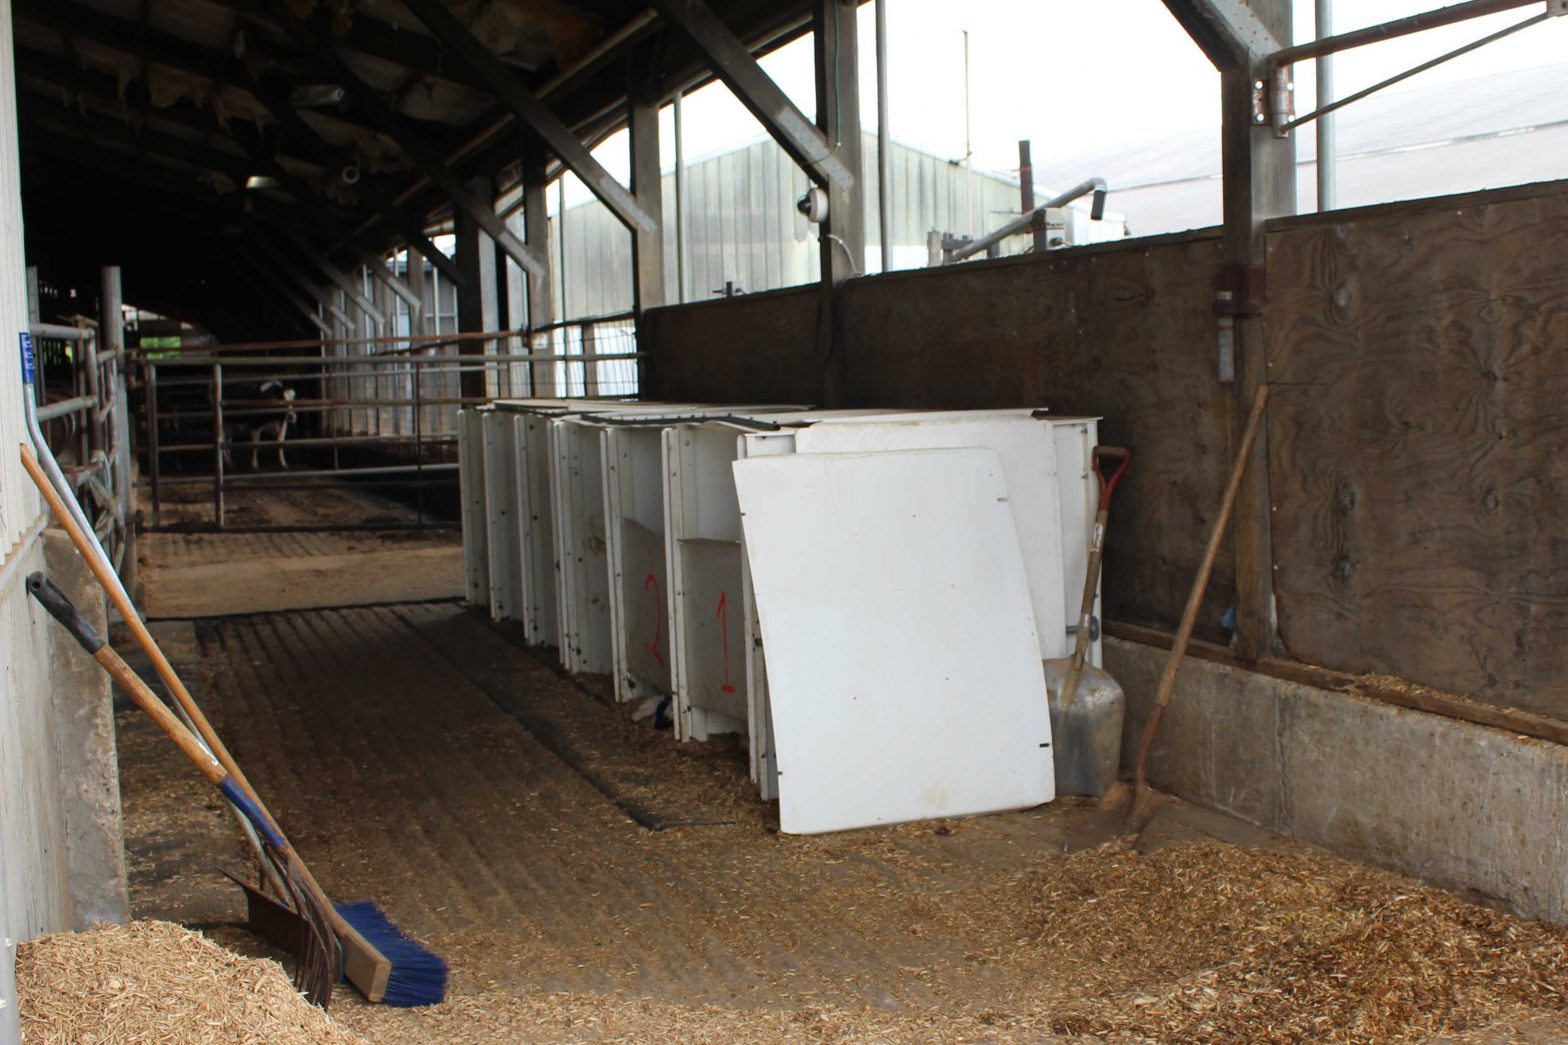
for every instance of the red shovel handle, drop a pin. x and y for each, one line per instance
(1108, 486)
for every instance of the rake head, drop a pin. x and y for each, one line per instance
(316, 954)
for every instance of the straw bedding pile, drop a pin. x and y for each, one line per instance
(1208, 942)
(154, 981)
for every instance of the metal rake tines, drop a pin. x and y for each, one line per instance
(317, 958)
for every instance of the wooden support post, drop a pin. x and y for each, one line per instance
(1259, 184)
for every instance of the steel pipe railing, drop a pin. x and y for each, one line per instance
(397, 405)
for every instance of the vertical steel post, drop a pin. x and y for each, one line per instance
(217, 444)
(683, 292)
(541, 303)
(836, 40)
(111, 330)
(589, 337)
(476, 301)
(150, 394)
(419, 440)
(1025, 177)
(1259, 184)
(648, 280)
(884, 144)
(1328, 139)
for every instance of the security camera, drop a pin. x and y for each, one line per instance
(813, 205)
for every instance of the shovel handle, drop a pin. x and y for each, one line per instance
(61, 609)
(1108, 486)
(1091, 576)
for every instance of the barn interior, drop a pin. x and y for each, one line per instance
(665, 653)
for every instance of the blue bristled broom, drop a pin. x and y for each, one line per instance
(413, 976)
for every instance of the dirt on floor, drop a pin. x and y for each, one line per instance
(333, 545)
(420, 757)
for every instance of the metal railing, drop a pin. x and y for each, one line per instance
(377, 409)
(86, 421)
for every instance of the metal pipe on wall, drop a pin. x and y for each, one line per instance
(884, 151)
(1328, 143)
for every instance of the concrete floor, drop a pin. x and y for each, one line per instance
(529, 832)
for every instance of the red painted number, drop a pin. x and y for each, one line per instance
(658, 619)
(724, 629)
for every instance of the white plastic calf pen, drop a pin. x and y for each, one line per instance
(652, 581)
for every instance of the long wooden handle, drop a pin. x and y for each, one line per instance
(1091, 576)
(133, 620)
(1200, 585)
(238, 781)
(1086, 612)
(60, 608)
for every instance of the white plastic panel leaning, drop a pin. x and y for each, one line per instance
(1028, 452)
(903, 660)
(759, 711)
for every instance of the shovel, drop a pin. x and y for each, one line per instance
(1088, 706)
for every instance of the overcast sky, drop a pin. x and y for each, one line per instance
(1075, 77)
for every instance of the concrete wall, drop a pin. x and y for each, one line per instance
(44, 786)
(1466, 807)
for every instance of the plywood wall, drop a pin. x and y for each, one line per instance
(1419, 444)
(1417, 437)
(1123, 333)
(755, 348)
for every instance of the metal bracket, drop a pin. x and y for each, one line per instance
(1282, 99)
(1557, 8)
(1260, 102)
(1240, 291)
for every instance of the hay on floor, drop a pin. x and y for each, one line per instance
(155, 981)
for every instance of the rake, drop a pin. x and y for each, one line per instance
(378, 958)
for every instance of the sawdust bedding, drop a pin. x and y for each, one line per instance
(1195, 943)
(153, 981)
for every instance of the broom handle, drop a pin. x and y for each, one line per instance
(116, 592)
(1200, 584)
(61, 609)
(1091, 575)
(149, 645)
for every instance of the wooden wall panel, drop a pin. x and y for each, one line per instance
(1419, 444)
(1124, 332)
(756, 348)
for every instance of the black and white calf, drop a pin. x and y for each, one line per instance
(262, 416)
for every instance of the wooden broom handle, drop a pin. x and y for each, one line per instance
(1200, 584)
(132, 619)
(166, 671)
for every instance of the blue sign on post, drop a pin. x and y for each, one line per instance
(28, 373)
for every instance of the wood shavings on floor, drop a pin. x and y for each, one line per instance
(558, 1019)
(154, 981)
(1207, 942)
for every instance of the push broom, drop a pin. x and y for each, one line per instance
(318, 953)
(378, 958)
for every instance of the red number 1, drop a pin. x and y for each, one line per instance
(724, 628)
(658, 618)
